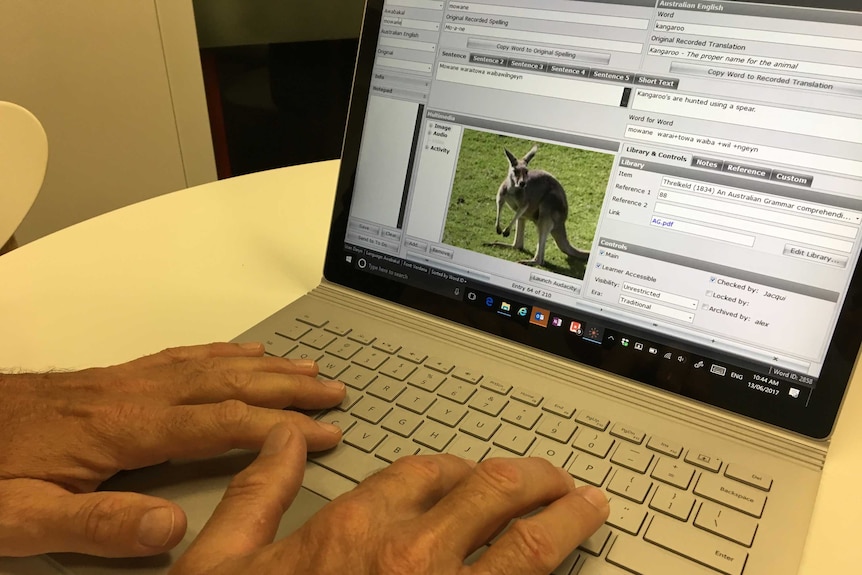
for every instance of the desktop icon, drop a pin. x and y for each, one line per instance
(505, 306)
(489, 301)
(594, 334)
(523, 312)
(639, 346)
(653, 350)
(668, 355)
(718, 369)
(349, 259)
(576, 328)
(699, 364)
(625, 342)
(471, 296)
(794, 392)
(540, 316)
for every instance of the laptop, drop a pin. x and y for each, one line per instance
(621, 235)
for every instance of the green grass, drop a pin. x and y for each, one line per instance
(482, 166)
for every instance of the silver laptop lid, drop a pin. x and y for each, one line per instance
(669, 190)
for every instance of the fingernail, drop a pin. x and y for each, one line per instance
(595, 496)
(156, 527)
(251, 345)
(329, 427)
(276, 441)
(333, 384)
(303, 363)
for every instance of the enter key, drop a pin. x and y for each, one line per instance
(723, 556)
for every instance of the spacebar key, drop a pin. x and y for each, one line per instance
(644, 558)
(348, 461)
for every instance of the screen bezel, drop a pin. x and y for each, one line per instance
(814, 421)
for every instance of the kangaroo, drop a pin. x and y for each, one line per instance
(537, 196)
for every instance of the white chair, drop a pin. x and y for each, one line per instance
(23, 160)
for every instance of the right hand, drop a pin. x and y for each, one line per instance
(422, 515)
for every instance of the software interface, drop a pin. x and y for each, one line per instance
(709, 153)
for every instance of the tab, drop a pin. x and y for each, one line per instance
(750, 171)
(564, 70)
(657, 81)
(611, 76)
(707, 163)
(488, 60)
(791, 178)
(527, 65)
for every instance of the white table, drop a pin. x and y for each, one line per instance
(206, 263)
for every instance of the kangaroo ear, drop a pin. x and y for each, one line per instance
(530, 154)
(512, 159)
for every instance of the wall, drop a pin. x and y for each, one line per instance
(118, 86)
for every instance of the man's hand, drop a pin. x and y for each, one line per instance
(422, 515)
(63, 434)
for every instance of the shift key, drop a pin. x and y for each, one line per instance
(709, 550)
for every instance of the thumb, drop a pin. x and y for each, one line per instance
(107, 524)
(248, 515)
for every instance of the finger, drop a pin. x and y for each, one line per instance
(538, 544)
(205, 351)
(414, 484)
(497, 491)
(107, 524)
(196, 431)
(276, 384)
(248, 515)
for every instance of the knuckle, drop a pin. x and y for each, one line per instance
(501, 475)
(236, 382)
(532, 541)
(399, 555)
(418, 468)
(99, 520)
(232, 413)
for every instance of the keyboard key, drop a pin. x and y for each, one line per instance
(312, 318)
(357, 377)
(365, 437)
(440, 365)
(559, 407)
(385, 388)
(598, 444)
(387, 346)
(479, 425)
(625, 515)
(634, 458)
(628, 433)
(412, 355)
(293, 330)
(728, 492)
(467, 375)
(415, 400)
(336, 328)
(521, 415)
(726, 522)
(593, 420)
(753, 478)
(527, 396)
(351, 397)
(394, 448)
(489, 403)
(398, 369)
(514, 439)
(349, 462)
(371, 409)
(703, 460)
(361, 337)
(278, 346)
(496, 386)
(318, 339)
(426, 379)
(595, 544)
(339, 419)
(672, 502)
(456, 390)
(672, 472)
(665, 446)
(630, 485)
(305, 352)
(370, 358)
(434, 436)
(637, 556)
(557, 454)
(557, 428)
(447, 412)
(567, 567)
(720, 554)
(468, 448)
(590, 469)
(344, 348)
(331, 367)
(402, 422)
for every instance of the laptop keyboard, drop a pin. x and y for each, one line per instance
(673, 507)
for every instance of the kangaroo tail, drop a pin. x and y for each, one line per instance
(560, 237)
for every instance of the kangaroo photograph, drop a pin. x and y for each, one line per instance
(535, 204)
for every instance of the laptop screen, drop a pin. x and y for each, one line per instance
(669, 190)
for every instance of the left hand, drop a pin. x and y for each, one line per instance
(63, 434)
